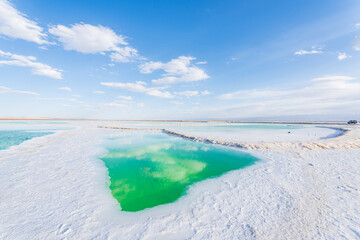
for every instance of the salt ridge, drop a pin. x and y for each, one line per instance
(348, 138)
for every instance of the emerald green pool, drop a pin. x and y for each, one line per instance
(154, 169)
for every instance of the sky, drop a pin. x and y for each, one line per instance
(180, 59)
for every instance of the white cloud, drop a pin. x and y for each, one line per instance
(129, 98)
(314, 50)
(188, 93)
(86, 38)
(324, 95)
(342, 56)
(333, 78)
(30, 61)
(114, 104)
(15, 24)
(305, 52)
(176, 71)
(98, 92)
(205, 92)
(124, 103)
(65, 89)
(192, 93)
(203, 62)
(125, 54)
(141, 88)
(357, 25)
(9, 90)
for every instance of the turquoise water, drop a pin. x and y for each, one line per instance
(15, 137)
(32, 122)
(17, 131)
(154, 169)
(47, 126)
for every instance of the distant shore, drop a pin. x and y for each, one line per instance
(44, 119)
(200, 121)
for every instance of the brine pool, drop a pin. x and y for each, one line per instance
(148, 170)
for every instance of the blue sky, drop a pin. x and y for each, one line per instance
(180, 59)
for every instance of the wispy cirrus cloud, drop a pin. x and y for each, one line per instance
(115, 104)
(37, 68)
(306, 52)
(140, 87)
(123, 103)
(176, 71)
(67, 89)
(356, 43)
(192, 93)
(128, 98)
(323, 95)
(336, 78)
(9, 90)
(86, 38)
(15, 24)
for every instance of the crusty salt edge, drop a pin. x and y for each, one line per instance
(349, 138)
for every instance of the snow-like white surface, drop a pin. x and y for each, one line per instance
(55, 187)
(256, 135)
(345, 137)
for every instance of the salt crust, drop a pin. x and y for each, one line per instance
(55, 187)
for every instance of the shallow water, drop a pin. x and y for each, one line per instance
(17, 131)
(15, 137)
(35, 125)
(154, 169)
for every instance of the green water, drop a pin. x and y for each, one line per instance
(154, 169)
(15, 137)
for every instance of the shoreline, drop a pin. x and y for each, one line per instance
(341, 140)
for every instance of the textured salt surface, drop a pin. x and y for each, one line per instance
(230, 133)
(54, 187)
(344, 138)
(240, 132)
